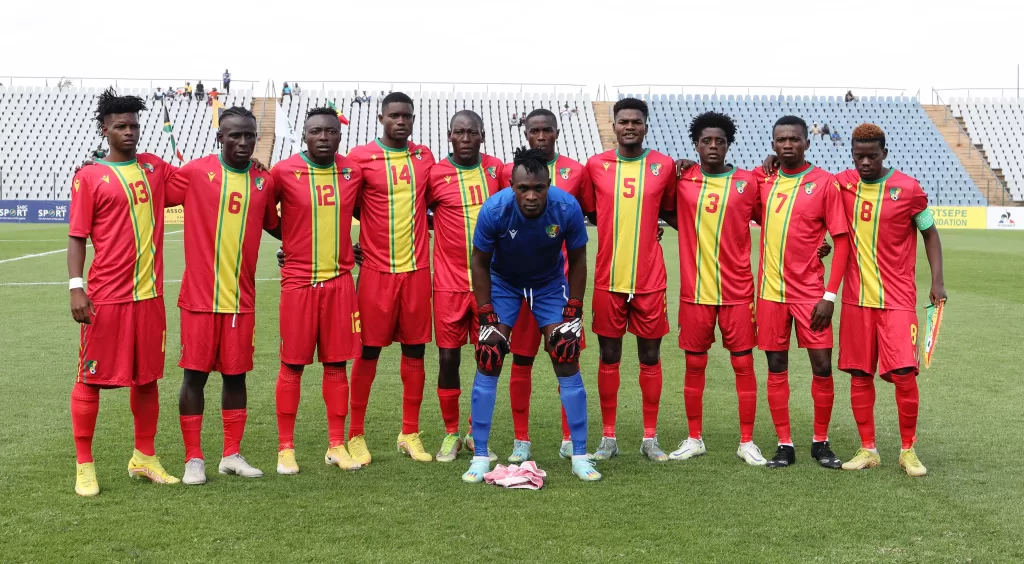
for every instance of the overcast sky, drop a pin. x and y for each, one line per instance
(910, 44)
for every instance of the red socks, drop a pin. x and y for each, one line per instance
(778, 404)
(823, 394)
(145, 405)
(566, 436)
(413, 380)
(650, 391)
(693, 392)
(289, 388)
(746, 393)
(449, 400)
(520, 386)
(335, 392)
(363, 373)
(608, 390)
(907, 403)
(192, 433)
(85, 405)
(234, 428)
(862, 400)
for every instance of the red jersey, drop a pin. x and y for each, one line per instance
(881, 274)
(714, 213)
(226, 211)
(456, 194)
(797, 210)
(120, 206)
(566, 174)
(316, 217)
(393, 206)
(628, 196)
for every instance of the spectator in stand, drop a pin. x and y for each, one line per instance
(159, 95)
(850, 97)
(188, 92)
(227, 81)
(212, 96)
(296, 90)
(200, 92)
(836, 138)
(815, 130)
(825, 132)
(514, 120)
(99, 153)
(286, 91)
(564, 111)
(356, 99)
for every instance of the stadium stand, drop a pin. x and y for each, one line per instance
(915, 145)
(579, 137)
(45, 133)
(997, 128)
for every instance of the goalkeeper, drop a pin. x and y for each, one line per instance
(517, 257)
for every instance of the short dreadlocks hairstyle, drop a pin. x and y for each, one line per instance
(109, 103)
(630, 104)
(869, 133)
(322, 111)
(712, 120)
(533, 160)
(236, 111)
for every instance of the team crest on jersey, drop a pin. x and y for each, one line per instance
(78, 184)
(894, 193)
(656, 169)
(564, 173)
(492, 172)
(259, 183)
(105, 178)
(212, 175)
(91, 366)
(298, 175)
(809, 188)
(419, 154)
(741, 185)
(148, 167)
(606, 165)
(553, 230)
(346, 173)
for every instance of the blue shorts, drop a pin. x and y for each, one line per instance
(545, 302)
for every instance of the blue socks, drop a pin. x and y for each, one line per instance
(574, 400)
(485, 390)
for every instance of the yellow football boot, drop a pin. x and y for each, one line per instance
(911, 464)
(358, 451)
(85, 480)
(286, 464)
(338, 456)
(149, 467)
(863, 460)
(412, 445)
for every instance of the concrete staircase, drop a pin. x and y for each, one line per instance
(265, 110)
(603, 115)
(991, 184)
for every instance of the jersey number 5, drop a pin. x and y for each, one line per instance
(630, 187)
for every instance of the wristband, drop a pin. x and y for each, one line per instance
(829, 296)
(75, 283)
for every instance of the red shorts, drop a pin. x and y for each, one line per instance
(645, 315)
(124, 345)
(775, 325)
(455, 319)
(324, 317)
(222, 342)
(525, 337)
(394, 307)
(697, 326)
(871, 338)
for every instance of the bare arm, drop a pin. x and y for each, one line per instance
(592, 217)
(81, 306)
(480, 266)
(670, 218)
(577, 273)
(933, 248)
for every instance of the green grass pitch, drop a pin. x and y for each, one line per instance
(714, 508)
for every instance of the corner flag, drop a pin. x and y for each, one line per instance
(169, 129)
(341, 116)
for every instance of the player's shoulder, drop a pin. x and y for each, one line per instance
(562, 199)
(151, 162)
(817, 172)
(660, 158)
(421, 152)
(605, 157)
(491, 163)
(568, 162)
(900, 177)
(849, 176)
(498, 205)
(743, 175)
(363, 153)
(346, 167)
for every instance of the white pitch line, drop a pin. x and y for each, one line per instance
(62, 283)
(36, 255)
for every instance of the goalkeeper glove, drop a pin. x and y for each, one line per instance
(565, 339)
(491, 344)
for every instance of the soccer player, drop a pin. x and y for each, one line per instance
(227, 207)
(715, 203)
(317, 190)
(517, 257)
(800, 203)
(394, 279)
(118, 203)
(632, 187)
(459, 186)
(570, 176)
(878, 324)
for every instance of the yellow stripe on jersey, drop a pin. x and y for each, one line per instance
(629, 197)
(140, 203)
(234, 208)
(779, 209)
(323, 194)
(870, 197)
(401, 209)
(714, 197)
(473, 190)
